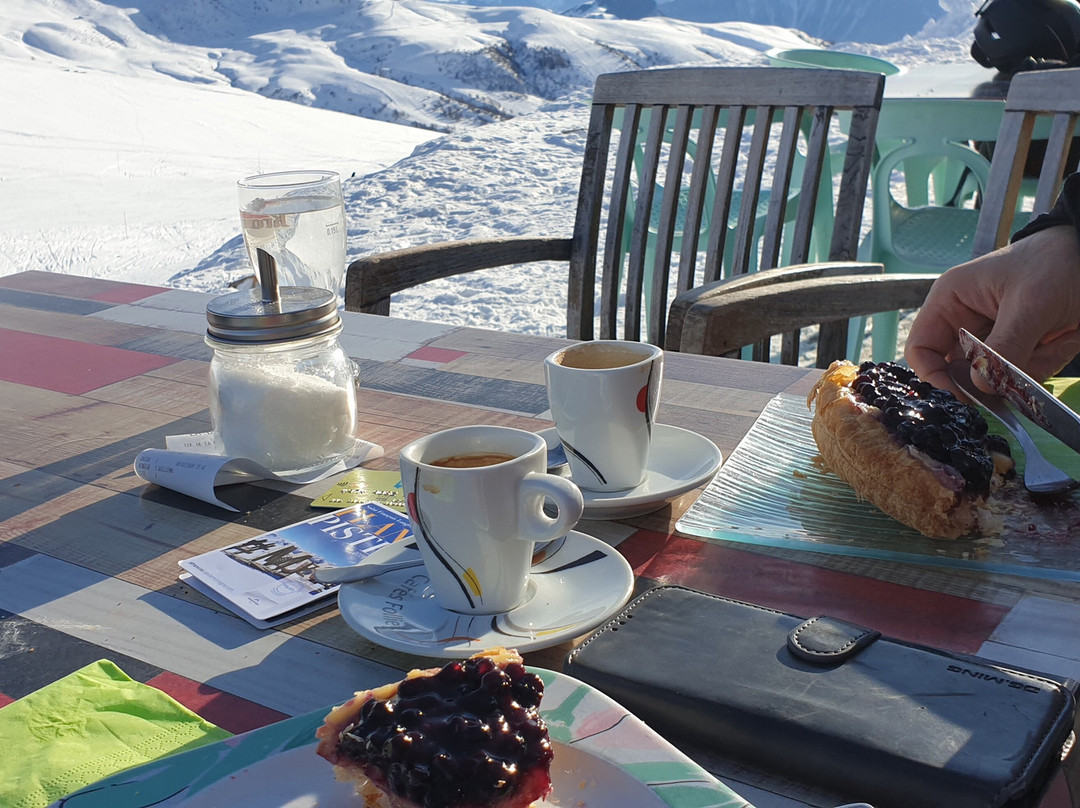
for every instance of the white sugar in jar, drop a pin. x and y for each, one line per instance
(282, 390)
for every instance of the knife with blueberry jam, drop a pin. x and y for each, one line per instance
(913, 450)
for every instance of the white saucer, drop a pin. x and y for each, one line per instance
(679, 461)
(577, 585)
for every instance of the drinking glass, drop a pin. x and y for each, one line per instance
(299, 218)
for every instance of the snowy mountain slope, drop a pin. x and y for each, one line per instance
(423, 63)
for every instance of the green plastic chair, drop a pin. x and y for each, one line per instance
(822, 59)
(925, 191)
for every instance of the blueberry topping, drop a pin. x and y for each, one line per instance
(463, 736)
(933, 421)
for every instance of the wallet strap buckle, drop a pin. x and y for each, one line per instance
(828, 640)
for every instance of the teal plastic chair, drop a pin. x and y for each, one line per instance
(925, 191)
(822, 59)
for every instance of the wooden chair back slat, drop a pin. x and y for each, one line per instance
(751, 189)
(695, 202)
(639, 236)
(612, 260)
(854, 175)
(817, 156)
(725, 184)
(781, 185)
(581, 280)
(668, 223)
(1053, 170)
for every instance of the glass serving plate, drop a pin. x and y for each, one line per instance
(773, 491)
(604, 758)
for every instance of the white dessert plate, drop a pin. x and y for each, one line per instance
(679, 461)
(578, 584)
(605, 757)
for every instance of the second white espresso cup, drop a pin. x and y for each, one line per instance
(475, 496)
(604, 396)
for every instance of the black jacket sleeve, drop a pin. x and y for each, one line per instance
(1065, 212)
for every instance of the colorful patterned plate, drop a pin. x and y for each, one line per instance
(604, 758)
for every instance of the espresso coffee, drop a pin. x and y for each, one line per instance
(472, 461)
(600, 356)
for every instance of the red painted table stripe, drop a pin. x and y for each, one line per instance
(431, 354)
(5, 700)
(229, 712)
(916, 615)
(67, 366)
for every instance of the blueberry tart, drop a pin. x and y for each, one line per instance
(913, 450)
(467, 735)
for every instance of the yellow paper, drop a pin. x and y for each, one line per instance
(364, 485)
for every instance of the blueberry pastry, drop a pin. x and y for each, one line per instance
(467, 735)
(913, 450)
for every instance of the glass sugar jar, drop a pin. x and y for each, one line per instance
(282, 390)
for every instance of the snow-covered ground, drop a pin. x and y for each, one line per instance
(126, 126)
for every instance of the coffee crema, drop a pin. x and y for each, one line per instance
(471, 461)
(600, 357)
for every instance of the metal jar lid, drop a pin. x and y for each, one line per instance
(272, 314)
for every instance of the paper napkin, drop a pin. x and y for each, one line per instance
(86, 726)
(188, 464)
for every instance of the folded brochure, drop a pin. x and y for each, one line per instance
(270, 576)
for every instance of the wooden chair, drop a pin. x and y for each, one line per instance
(718, 318)
(733, 157)
(1041, 94)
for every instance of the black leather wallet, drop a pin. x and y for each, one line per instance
(830, 703)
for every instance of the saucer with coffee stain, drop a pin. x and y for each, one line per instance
(679, 461)
(574, 586)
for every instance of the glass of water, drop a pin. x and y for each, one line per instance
(299, 218)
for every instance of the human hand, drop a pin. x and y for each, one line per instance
(1022, 300)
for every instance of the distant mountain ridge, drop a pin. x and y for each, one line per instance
(877, 21)
(425, 63)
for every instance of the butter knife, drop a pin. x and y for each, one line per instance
(1030, 398)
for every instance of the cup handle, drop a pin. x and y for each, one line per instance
(534, 523)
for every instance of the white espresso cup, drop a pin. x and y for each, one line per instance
(475, 496)
(604, 396)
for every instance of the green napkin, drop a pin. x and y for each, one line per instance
(86, 726)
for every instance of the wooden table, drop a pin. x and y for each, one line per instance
(960, 81)
(92, 372)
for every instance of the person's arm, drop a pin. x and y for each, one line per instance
(1023, 299)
